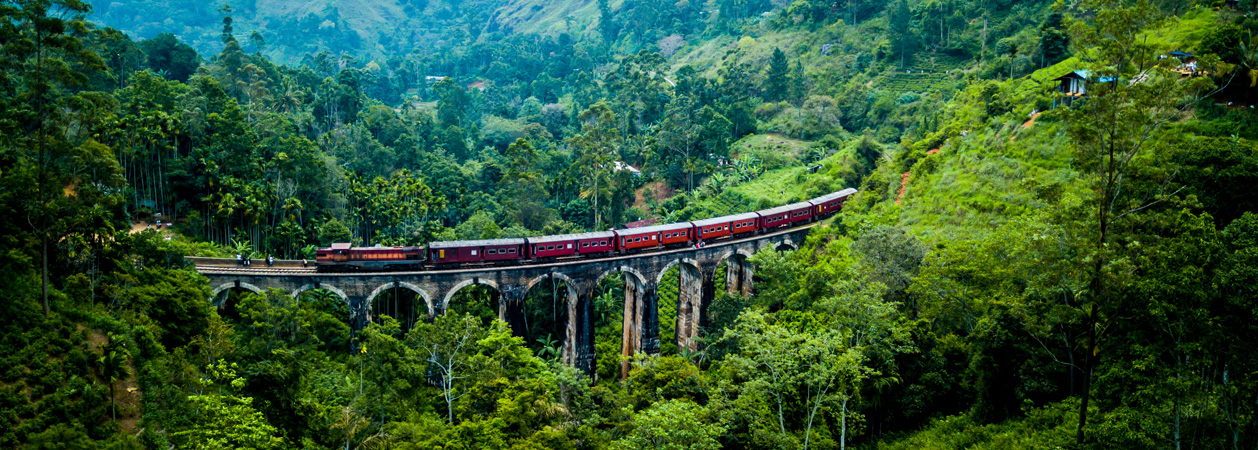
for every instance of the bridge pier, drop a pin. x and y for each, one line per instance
(738, 275)
(511, 308)
(581, 331)
(690, 303)
(641, 330)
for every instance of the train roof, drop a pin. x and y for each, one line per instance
(476, 243)
(349, 246)
(785, 208)
(574, 236)
(725, 219)
(834, 195)
(654, 228)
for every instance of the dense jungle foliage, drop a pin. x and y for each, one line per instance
(1019, 270)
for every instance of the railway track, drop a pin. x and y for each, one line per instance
(213, 268)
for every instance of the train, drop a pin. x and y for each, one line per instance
(544, 249)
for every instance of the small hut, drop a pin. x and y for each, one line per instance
(1072, 85)
(1187, 63)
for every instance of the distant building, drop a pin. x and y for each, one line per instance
(1187, 63)
(618, 166)
(1074, 85)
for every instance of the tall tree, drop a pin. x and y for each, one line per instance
(900, 17)
(42, 49)
(595, 150)
(1054, 40)
(777, 77)
(1121, 120)
(170, 58)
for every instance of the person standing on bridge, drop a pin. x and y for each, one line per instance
(270, 260)
(239, 262)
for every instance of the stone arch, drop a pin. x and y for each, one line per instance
(402, 284)
(738, 271)
(660, 276)
(641, 278)
(739, 253)
(567, 280)
(564, 326)
(229, 285)
(785, 243)
(327, 287)
(445, 301)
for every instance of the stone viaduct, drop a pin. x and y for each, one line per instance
(642, 273)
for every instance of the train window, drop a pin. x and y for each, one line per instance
(512, 250)
(585, 244)
(569, 245)
(473, 252)
(492, 251)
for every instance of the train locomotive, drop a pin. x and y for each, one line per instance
(543, 249)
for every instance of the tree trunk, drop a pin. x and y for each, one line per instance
(44, 243)
(843, 428)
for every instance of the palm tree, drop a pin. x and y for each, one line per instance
(113, 367)
(1249, 61)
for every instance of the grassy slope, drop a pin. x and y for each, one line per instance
(549, 17)
(989, 176)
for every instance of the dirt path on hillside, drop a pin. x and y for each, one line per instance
(904, 178)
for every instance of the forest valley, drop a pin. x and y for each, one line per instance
(1021, 268)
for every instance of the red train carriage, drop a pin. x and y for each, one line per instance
(654, 236)
(676, 234)
(785, 215)
(491, 250)
(571, 244)
(552, 246)
(830, 203)
(344, 256)
(596, 242)
(725, 226)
